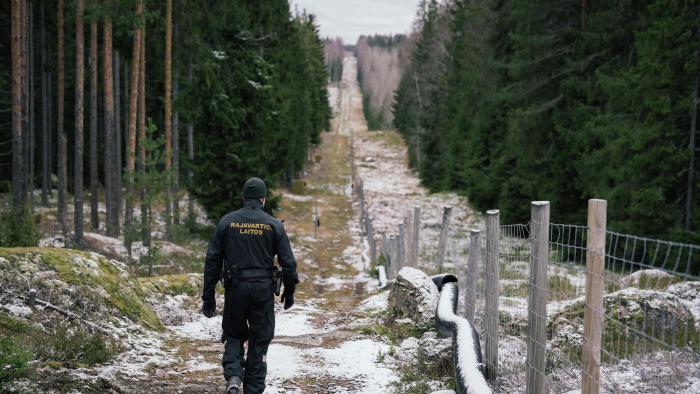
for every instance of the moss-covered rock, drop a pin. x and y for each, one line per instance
(654, 279)
(636, 321)
(88, 283)
(190, 284)
(413, 296)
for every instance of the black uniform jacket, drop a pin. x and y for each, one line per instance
(248, 238)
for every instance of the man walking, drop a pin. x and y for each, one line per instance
(241, 253)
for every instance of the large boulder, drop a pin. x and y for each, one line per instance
(413, 296)
(689, 293)
(653, 278)
(641, 319)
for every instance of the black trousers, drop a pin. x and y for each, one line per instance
(249, 315)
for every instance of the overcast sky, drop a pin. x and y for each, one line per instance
(349, 19)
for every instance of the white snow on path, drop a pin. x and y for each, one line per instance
(296, 321)
(354, 360)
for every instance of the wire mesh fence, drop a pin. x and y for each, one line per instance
(651, 311)
(648, 306)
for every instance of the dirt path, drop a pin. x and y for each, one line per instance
(318, 347)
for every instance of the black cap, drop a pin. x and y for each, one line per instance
(254, 188)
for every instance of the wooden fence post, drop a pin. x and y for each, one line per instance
(416, 234)
(372, 240)
(493, 231)
(408, 239)
(401, 253)
(391, 251)
(537, 298)
(444, 234)
(593, 315)
(472, 275)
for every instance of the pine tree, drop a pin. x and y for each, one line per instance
(94, 181)
(145, 203)
(131, 145)
(640, 141)
(45, 113)
(110, 165)
(17, 132)
(168, 105)
(79, 102)
(61, 135)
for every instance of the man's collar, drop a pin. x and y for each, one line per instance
(253, 203)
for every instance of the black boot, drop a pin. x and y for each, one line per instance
(233, 385)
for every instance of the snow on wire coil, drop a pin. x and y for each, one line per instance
(466, 352)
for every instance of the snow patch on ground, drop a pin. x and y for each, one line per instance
(354, 360)
(144, 350)
(293, 324)
(201, 328)
(377, 302)
(198, 364)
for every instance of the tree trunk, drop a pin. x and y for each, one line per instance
(24, 57)
(131, 147)
(79, 102)
(94, 181)
(691, 162)
(45, 174)
(176, 160)
(145, 204)
(190, 157)
(17, 137)
(62, 148)
(50, 138)
(126, 83)
(31, 118)
(176, 144)
(168, 104)
(109, 162)
(117, 131)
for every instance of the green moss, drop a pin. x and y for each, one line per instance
(173, 284)
(125, 293)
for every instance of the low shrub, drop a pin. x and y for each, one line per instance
(18, 229)
(14, 360)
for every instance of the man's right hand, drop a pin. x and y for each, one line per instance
(209, 308)
(288, 296)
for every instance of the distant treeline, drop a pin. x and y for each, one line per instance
(381, 60)
(334, 51)
(513, 101)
